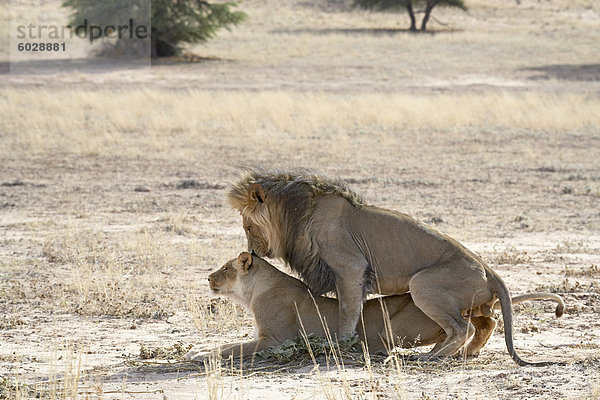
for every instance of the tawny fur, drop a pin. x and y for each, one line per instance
(326, 232)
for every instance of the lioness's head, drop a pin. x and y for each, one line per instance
(227, 280)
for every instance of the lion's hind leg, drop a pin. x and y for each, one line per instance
(435, 292)
(484, 327)
(458, 330)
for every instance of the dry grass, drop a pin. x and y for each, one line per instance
(573, 247)
(512, 256)
(65, 379)
(180, 124)
(212, 315)
(122, 273)
(108, 279)
(591, 271)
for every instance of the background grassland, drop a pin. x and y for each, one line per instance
(179, 124)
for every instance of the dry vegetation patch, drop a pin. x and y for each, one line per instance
(113, 277)
(217, 315)
(140, 122)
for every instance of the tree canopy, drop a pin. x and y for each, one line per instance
(410, 6)
(173, 22)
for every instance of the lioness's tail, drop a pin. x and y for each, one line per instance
(560, 304)
(501, 290)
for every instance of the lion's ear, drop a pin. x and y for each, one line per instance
(245, 260)
(257, 193)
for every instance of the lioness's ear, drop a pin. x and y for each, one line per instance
(257, 193)
(245, 260)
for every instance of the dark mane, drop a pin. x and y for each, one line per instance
(292, 196)
(297, 182)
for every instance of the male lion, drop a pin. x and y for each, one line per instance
(327, 233)
(283, 307)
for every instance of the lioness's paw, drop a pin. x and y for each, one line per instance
(195, 355)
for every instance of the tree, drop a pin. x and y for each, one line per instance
(188, 21)
(409, 6)
(173, 22)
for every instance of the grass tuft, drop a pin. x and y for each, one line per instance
(299, 349)
(175, 352)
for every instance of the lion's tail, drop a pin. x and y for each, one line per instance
(501, 290)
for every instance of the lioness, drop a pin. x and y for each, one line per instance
(327, 233)
(283, 307)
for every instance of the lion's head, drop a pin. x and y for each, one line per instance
(261, 233)
(276, 209)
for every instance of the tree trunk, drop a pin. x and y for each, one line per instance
(153, 51)
(411, 14)
(429, 6)
(160, 48)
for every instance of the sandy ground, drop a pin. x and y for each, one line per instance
(104, 258)
(40, 328)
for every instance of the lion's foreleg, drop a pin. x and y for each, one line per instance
(350, 296)
(350, 269)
